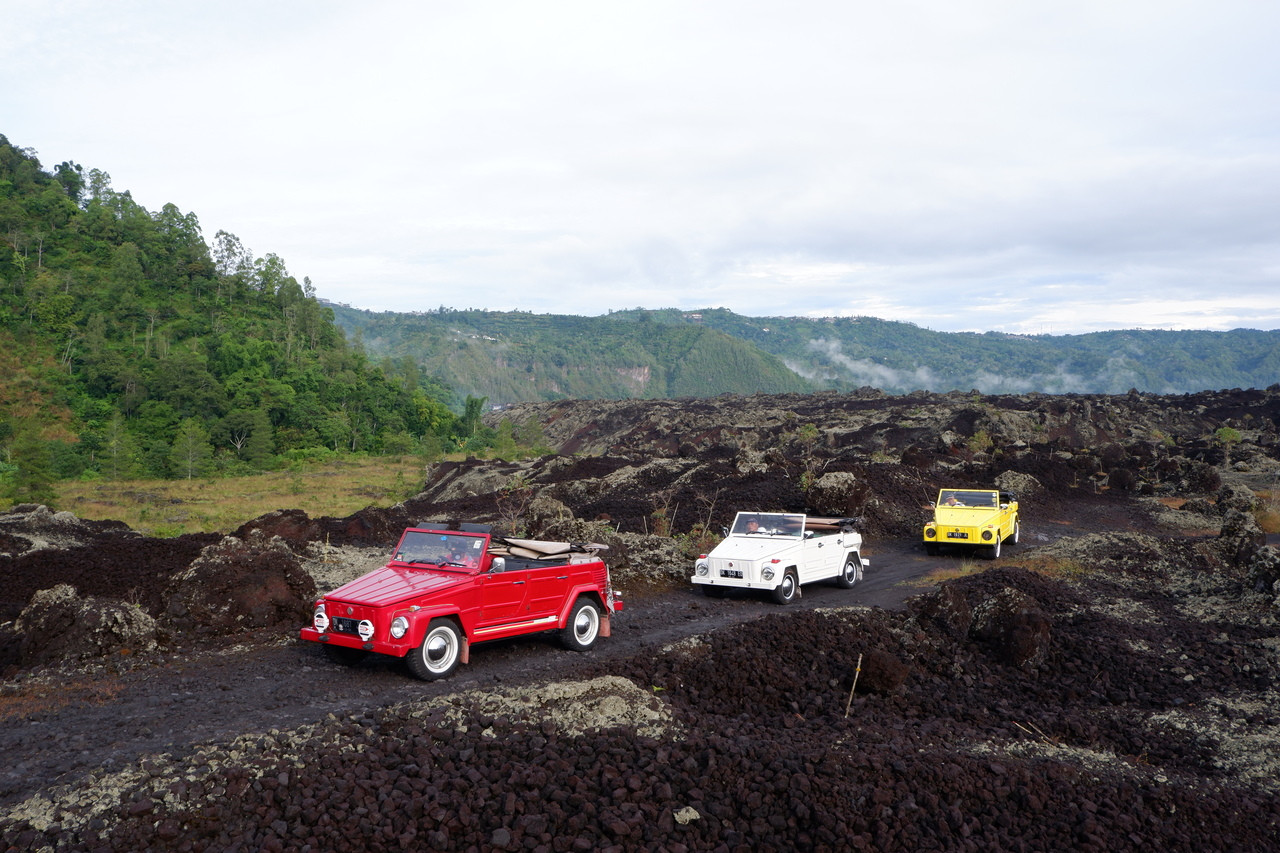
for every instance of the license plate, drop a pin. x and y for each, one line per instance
(955, 534)
(730, 573)
(343, 625)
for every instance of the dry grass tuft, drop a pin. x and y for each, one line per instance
(41, 698)
(1268, 513)
(1053, 567)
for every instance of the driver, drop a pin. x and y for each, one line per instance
(459, 554)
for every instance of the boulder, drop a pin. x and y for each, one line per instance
(882, 672)
(1235, 496)
(944, 610)
(292, 525)
(838, 493)
(240, 584)
(1014, 626)
(1022, 485)
(1240, 537)
(59, 625)
(1264, 571)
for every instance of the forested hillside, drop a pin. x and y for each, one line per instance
(131, 347)
(850, 352)
(669, 353)
(515, 356)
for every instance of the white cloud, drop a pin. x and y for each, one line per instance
(993, 165)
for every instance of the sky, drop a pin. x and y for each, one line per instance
(1035, 168)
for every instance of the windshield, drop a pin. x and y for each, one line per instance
(440, 550)
(768, 524)
(966, 498)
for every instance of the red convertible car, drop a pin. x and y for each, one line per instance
(444, 590)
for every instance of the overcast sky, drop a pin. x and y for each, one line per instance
(1038, 167)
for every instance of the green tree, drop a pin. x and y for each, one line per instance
(471, 414)
(33, 480)
(191, 450)
(119, 460)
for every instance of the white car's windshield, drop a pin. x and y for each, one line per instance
(768, 524)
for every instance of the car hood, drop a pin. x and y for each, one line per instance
(392, 584)
(961, 516)
(752, 547)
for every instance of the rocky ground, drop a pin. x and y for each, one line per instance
(1110, 683)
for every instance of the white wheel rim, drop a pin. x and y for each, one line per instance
(439, 650)
(585, 625)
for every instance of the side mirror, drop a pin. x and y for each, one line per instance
(499, 564)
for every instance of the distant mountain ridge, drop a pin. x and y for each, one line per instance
(516, 357)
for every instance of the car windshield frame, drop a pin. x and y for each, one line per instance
(789, 525)
(445, 550)
(969, 499)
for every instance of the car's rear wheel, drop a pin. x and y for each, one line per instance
(583, 628)
(439, 653)
(851, 573)
(789, 590)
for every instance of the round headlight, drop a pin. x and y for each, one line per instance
(702, 569)
(929, 533)
(399, 627)
(767, 574)
(320, 619)
(986, 535)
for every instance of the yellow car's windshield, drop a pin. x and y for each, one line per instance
(967, 498)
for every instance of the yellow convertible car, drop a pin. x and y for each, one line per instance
(973, 518)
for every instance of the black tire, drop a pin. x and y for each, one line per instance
(439, 653)
(344, 655)
(931, 548)
(710, 590)
(1017, 532)
(851, 573)
(789, 590)
(993, 551)
(583, 628)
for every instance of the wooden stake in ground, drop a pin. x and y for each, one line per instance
(849, 704)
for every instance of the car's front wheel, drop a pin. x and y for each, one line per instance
(583, 628)
(851, 573)
(789, 590)
(439, 653)
(1017, 531)
(993, 551)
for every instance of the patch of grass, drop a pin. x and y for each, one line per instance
(1268, 520)
(1062, 568)
(42, 698)
(1268, 512)
(168, 508)
(950, 572)
(1053, 567)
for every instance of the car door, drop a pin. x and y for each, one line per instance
(821, 557)
(548, 587)
(503, 596)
